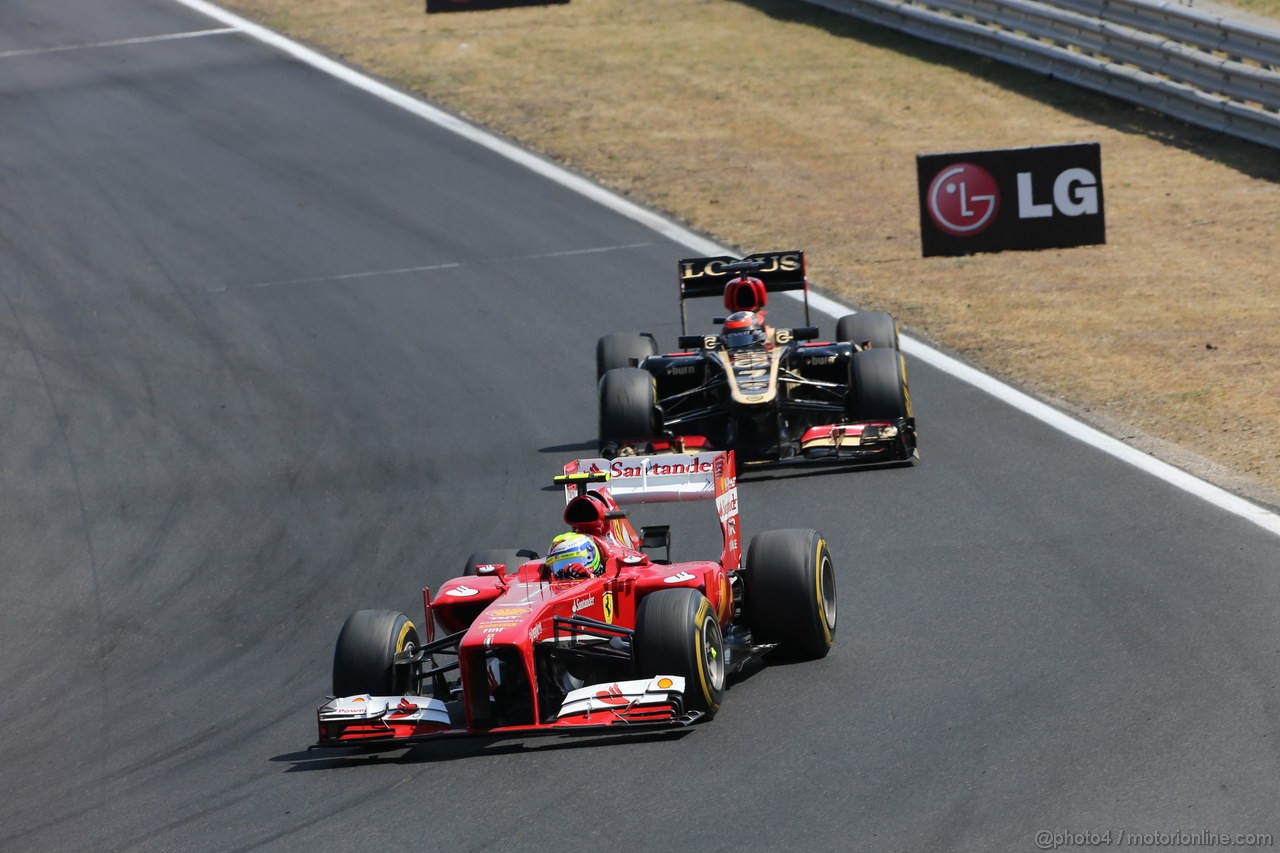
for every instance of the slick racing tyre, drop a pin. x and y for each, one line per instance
(677, 634)
(878, 386)
(623, 349)
(628, 406)
(509, 557)
(878, 327)
(369, 642)
(790, 591)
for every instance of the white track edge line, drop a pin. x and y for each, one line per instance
(1020, 400)
(62, 48)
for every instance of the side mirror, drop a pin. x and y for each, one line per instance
(498, 570)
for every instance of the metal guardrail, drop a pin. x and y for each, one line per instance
(1204, 69)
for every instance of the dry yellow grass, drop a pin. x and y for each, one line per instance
(1266, 8)
(767, 123)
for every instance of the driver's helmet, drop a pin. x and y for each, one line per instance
(743, 328)
(574, 556)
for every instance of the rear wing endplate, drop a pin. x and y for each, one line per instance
(780, 271)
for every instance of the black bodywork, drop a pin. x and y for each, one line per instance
(791, 396)
(719, 394)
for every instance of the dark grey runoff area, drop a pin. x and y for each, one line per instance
(272, 350)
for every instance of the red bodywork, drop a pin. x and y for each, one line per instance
(495, 621)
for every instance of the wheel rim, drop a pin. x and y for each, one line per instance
(713, 653)
(404, 644)
(827, 590)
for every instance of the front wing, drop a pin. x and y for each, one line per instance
(617, 706)
(862, 441)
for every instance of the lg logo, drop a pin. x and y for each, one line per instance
(1012, 198)
(1075, 193)
(963, 199)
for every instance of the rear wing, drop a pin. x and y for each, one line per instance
(666, 478)
(659, 478)
(780, 271)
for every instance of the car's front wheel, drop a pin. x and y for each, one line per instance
(628, 406)
(878, 386)
(677, 634)
(367, 647)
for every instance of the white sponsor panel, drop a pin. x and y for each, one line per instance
(462, 591)
(618, 695)
(417, 708)
(678, 578)
(660, 478)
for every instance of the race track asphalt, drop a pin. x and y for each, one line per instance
(272, 350)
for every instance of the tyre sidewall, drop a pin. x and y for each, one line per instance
(366, 647)
(790, 596)
(674, 629)
(878, 386)
(617, 350)
(628, 405)
(878, 327)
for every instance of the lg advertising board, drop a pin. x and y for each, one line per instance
(1015, 198)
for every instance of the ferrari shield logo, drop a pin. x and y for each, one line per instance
(608, 607)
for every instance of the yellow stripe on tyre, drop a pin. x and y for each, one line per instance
(404, 635)
(707, 693)
(822, 606)
(906, 392)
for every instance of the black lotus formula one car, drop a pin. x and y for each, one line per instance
(770, 394)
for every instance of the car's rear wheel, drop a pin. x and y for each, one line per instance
(509, 557)
(623, 349)
(677, 634)
(879, 328)
(790, 591)
(628, 406)
(878, 386)
(367, 645)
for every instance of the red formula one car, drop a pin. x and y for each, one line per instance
(604, 634)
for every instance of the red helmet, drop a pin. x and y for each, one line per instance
(743, 328)
(745, 293)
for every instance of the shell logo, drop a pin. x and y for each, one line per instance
(665, 683)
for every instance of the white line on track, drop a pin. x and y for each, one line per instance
(1216, 496)
(4, 54)
(567, 253)
(328, 278)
